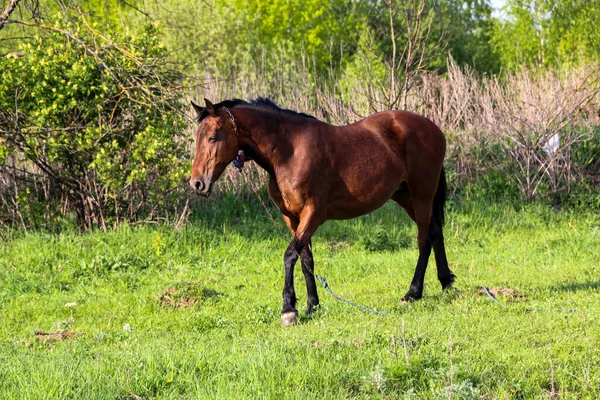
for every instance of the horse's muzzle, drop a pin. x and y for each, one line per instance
(201, 188)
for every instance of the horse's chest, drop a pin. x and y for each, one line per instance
(288, 199)
(290, 204)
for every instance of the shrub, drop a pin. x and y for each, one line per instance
(91, 124)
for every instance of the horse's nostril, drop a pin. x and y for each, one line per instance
(199, 185)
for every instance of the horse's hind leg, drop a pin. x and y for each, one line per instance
(436, 234)
(419, 212)
(445, 275)
(434, 239)
(422, 218)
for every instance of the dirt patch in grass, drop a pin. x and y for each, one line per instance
(172, 297)
(54, 337)
(506, 293)
(186, 295)
(131, 396)
(336, 246)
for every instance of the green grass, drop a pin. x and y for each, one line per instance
(216, 332)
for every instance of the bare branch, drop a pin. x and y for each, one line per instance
(10, 7)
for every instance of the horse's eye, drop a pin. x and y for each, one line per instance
(212, 139)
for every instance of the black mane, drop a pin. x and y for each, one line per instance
(259, 102)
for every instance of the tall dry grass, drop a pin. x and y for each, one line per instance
(526, 125)
(509, 122)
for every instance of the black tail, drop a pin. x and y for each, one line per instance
(439, 200)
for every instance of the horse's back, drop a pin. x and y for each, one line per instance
(403, 127)
(393, 140)
(371, 158)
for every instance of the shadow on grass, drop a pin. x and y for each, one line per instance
(245, 216)
(576, 286)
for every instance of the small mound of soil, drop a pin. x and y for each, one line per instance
(54, 337)
(173, 298)
(507, 293)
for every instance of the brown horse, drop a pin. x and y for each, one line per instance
(319, 171)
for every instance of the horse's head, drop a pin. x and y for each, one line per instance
(217, 145)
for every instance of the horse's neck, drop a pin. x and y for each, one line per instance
(265, 137)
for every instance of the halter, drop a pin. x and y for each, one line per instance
(241, 158)
(232, 120)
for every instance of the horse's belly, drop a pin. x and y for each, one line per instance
(351, 202)
(342, 212)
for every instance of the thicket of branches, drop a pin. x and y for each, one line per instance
(91, 125)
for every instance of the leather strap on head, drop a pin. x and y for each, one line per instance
(232, 120)
(241, 158)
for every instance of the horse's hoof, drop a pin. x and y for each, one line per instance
(448, 283)
(411, 297)
(311, 308)
(289, 318)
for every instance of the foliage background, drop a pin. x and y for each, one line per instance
(94, 116)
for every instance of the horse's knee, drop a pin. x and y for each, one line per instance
(425, 242)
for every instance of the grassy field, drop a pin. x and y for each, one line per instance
(155, 312)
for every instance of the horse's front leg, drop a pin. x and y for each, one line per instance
(308, 268)
(310, 220)
(289, 314)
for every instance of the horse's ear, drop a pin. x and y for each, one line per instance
(197, 108)
(209, 107)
